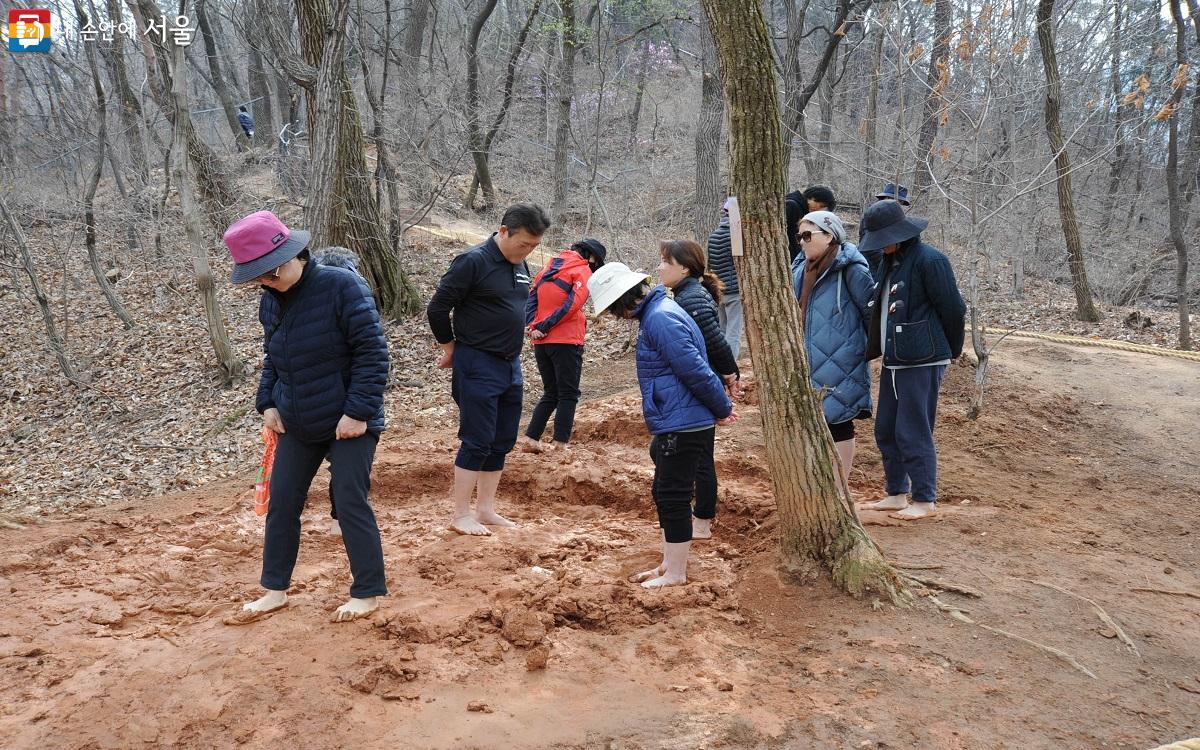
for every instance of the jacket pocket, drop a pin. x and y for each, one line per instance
(913, 342)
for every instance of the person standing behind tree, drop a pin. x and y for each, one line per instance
(477, 316)
(557, 324)
(682, 402)
(917, 325)
(834, 286)
(246, 121)
(699, 293)
(729, 304)
(798, 203)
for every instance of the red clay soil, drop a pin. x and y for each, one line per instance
(1081, 473)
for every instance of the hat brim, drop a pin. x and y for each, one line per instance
(893, 234)
(626, 282)
(244, 273)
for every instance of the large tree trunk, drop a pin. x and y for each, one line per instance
(870, 126)
(414, 38)
(710, 193)
(817, 524)
(89, 198)
(231, 366)
(341, 208)
(936, 79)
(566, 94)
(218, 79)
(1176, 207)
(261, 105)
(1085, 308)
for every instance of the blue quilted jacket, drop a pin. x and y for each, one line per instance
(835, 333)
(325, 354)
(679, 390)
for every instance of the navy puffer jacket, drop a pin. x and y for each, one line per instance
(695, 300)
(325, 354)
(720, 257)
(835, 333)
(679, 390)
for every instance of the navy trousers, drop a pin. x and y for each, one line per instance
(904, 421)
(296, 463)
(488, 391)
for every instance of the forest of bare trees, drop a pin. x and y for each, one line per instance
(1050, 139)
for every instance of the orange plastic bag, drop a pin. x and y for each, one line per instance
(262, 488)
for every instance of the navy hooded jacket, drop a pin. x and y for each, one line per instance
(325, 354)
(679, 390)
(926, 312)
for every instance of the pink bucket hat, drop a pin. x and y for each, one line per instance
(260, 243)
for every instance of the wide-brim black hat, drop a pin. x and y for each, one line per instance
(885, 223)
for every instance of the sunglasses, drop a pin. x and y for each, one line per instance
(269, 275)
(807, 236)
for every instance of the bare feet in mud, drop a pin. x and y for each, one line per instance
(469, 526)
(270, 602)
(492, 518)
(916, 512)
(891, 502)
(646, 575)
(529, 445)
(701, 528)
(666, 579)
(356, 608)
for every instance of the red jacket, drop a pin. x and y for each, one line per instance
(556, 297)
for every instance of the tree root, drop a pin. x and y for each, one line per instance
(1104, 616)
(1063, 655)
(862, 569)
(1169, 592)
(935, 583)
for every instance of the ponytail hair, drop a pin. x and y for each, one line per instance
(691, 256)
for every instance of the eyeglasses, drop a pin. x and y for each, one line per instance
(807, 236)
(269, 275)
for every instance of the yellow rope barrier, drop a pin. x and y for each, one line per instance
(1124, 346)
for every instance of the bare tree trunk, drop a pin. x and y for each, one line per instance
(341, 208)
(506, 99)
(709, 190)
(261, 106)
(56, 341)
(231, 366)
(131, 108)
(1116, 173)
(483, 177)
(414, 38)
(218, 79)
(566, 94)
(385, 180)
(1177, 209)
(1085, 308)
(936, 80)
(817, 524)
(870, 126)
(639, 87)
(89, 198)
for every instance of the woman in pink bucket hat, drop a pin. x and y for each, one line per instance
(325, 364)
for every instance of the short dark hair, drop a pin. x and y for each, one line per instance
(528, 216)
(629, 300)
(821, 194)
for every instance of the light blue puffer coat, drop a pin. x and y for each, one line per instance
(835, 333)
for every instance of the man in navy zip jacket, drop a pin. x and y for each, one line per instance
(917, 325)
(477, 316)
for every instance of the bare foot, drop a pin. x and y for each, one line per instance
(916, 512)
(335, 528)
(701, 528)
(530, 445)
(256, 610)
(666, 579)
(891, 502)
(492, 518)
(355, 608)
(469, 526)
(646, 575)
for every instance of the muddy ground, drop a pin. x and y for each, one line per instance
(1081, 474)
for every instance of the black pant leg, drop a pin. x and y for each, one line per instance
(296, 463)
(568, 369)
(350, 466)
(549, 401)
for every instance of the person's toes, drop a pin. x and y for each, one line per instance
(491, 518)
(468, 526)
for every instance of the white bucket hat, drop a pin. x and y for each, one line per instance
(609, 282)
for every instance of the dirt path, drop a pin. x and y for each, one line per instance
(1081, 473)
